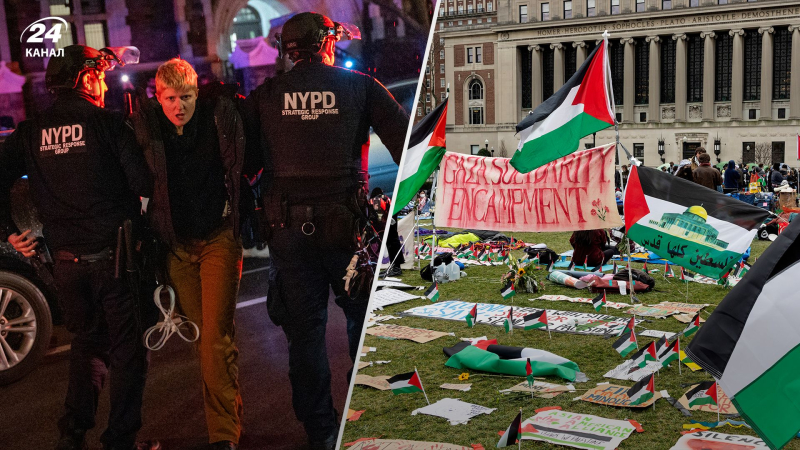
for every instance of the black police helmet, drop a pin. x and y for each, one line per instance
(63, 71)
(305, 32)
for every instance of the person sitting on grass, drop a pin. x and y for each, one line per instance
(591, 247)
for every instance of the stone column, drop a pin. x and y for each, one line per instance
(766, 71)
(580, 53)
(680, 77)
(508, 98)
(794, 86)
(628, 91)
(737, 81)
(558, 66)
(708, 75)
(450, 82)
(654, 93)
(536, 75)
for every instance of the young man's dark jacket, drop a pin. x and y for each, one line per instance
(84, 169)
(149, 125)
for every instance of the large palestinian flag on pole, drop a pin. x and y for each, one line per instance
(699, 229)
(584, 105)
(751, 342)
(509, 360)
(426, 147)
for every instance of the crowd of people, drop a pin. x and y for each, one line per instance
(730, 178)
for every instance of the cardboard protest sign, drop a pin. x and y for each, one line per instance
(665, 309)
(541, 389)
(418, 335)
(577, 430)
(575, 192)
(402, 444)
(686, 318)
(386, 297)
(614, 395)
(557, 298)
(457, 387)
(378, 382)
(712, 440)
(492, 314)
(628, 370)
(455, 411)
(725, 403)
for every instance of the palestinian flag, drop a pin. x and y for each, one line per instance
(615, 269)
(513, 432)
(506, 257)
(626, 344)
(433, 292)
(644, 268)
(529, 372)
(571, 265)
(508, 290)
(508, 323)
(693, 326)
(670, 353)
(535, 320)
(583, 105)
(683, 276)
(405, 383)
(645, 354)
(484, 257)
(506, 360)
(668, 273)
(599, 301)
(751, 344)
(699, 229)
(550, 266)
(704, 393)
(631, 325)
(743, 269)
(661, 344)
(642, 391)
(472, 317)
(426, 147)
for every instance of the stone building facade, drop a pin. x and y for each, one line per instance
(686, 73)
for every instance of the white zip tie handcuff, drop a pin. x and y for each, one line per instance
(167, 327)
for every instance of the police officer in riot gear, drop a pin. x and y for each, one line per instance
(86, 173)
(312, 125)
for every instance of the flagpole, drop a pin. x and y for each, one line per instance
(423, 387)
(547, 325)
(679, 357)
(519, 432)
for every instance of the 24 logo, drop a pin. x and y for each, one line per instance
(38, 32)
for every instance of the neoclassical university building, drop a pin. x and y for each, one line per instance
(723, 74)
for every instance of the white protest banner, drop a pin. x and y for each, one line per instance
(712, 440)
(387, 296)
(402, 444)
(455, 411)
(665, 309)
(557, 298)
(492, 314)
(577, 430)
(628, 370)
(575, 192)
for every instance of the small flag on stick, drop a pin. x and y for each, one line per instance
(472, 317)
(693, 326)
(642, 391)
(508, 323)
(626, 344)
(599, 301)
(509, 290)
(433, 292)
(513, 432)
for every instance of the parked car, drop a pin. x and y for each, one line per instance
(27, 298)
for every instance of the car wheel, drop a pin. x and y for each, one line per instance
(25, 326)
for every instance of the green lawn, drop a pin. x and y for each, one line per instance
(389, 416)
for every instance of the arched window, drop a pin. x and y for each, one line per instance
(475, 90)
(246, 25)
(475, 95)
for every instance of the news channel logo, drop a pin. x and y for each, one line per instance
(37, 35)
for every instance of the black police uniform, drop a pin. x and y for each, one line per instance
(314, 124)
(85, 169)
